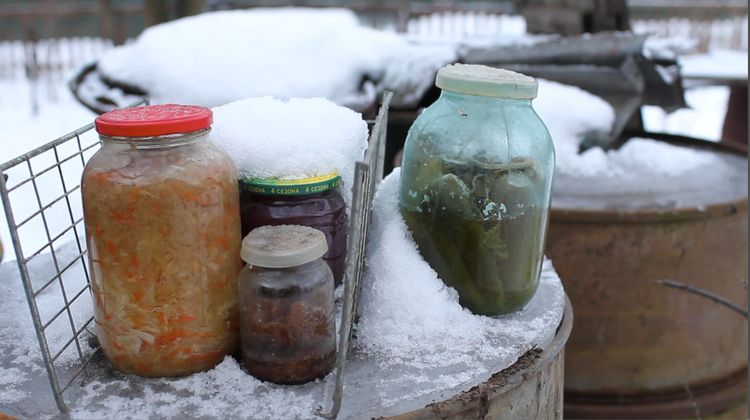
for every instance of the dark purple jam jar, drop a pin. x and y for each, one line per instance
(315, 202)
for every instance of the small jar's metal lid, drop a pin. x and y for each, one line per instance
(474, 79)
(283, 246)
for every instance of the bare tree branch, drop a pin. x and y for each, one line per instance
(696, 410)
(704, 293)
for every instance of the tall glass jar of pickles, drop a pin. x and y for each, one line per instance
(161, 209)
(475, 186)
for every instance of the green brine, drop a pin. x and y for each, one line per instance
(475, 187)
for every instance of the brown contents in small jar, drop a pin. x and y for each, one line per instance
(287, 322)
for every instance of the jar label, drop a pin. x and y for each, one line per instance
(305, 186)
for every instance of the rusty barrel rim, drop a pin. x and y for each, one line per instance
(659, 215)
(710, 398)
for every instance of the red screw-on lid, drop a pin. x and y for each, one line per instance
(154, 120)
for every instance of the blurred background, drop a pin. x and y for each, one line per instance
(45, 43)
(676, 68)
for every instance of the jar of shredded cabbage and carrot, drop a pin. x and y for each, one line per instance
(161, 209)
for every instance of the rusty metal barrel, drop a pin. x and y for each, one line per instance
(640, 349)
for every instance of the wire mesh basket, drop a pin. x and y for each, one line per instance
(41, 195)
(40, 192)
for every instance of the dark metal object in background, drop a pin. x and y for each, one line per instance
(608, 64)
(160, 11)
(101, 95)
(572, 17)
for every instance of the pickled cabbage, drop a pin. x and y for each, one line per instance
(163, 233)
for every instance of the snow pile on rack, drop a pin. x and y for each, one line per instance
(215, 58)
(223, 392)
(299, 138)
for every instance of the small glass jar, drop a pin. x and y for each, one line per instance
(287, 324)
(475, 186)
(315, 202)
(161, 210)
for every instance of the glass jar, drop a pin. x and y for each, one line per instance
(287, 320)
(475, 186)
(315, 202)
(161, 209)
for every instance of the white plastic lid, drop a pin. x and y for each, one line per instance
(475, 79)
(283, 246)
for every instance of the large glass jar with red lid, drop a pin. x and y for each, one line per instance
(315, 202)
(161, 210)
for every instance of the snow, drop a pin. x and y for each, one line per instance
(650, 174)
(33, 113)
(703, 119)
(718, 64)
(279, 52)
(22, 376)
(570, 114)
(668, 47)
(294, 139)
(643, 173)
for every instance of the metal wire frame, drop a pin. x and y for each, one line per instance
(75, 226)
(367, 176)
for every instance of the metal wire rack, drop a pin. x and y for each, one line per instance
(40, 192)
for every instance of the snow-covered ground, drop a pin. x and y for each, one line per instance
(33, 113)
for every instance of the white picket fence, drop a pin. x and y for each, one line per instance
(49, 57)
(728, 34)
(459, 26)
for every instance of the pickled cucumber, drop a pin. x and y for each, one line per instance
(479, 225)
